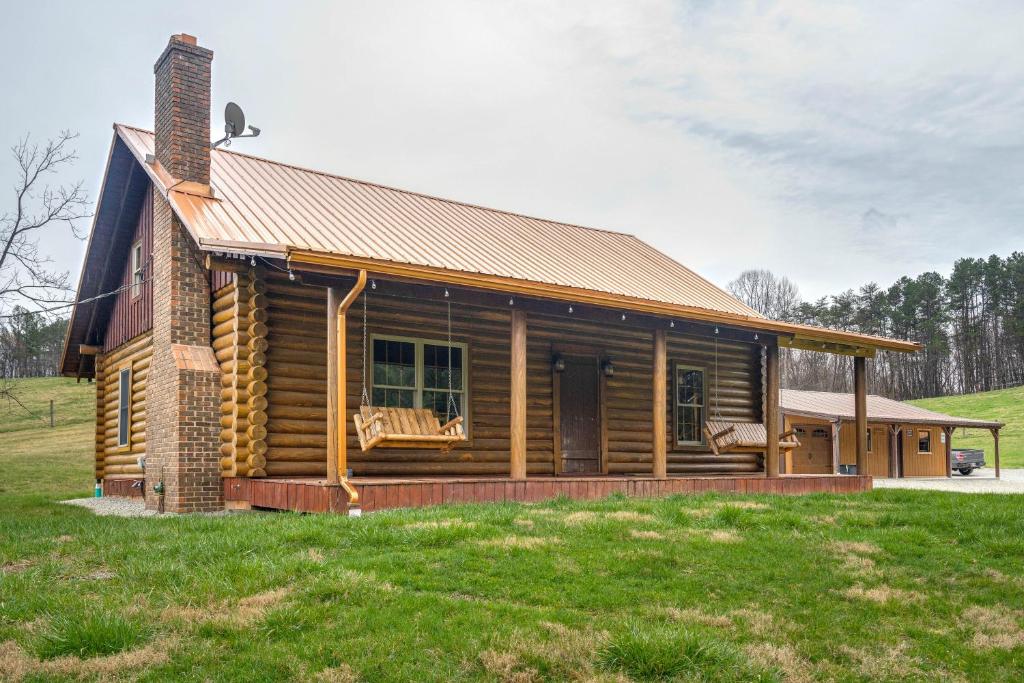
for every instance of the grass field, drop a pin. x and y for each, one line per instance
(1005, 405)
(879, 586)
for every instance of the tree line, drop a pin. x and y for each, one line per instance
(970, 325)
(30, 344)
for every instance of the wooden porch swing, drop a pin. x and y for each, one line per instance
(725, 436)
(408, 427)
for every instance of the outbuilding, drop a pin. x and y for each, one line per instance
(903, 440)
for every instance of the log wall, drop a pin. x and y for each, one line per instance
(113, 460)
(296, 428)
(239, 338)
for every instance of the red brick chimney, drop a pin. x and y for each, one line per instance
(183, 109)
(183, 387)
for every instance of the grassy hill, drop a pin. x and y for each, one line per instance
(1005, 405)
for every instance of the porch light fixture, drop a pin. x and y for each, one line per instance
(623, 316)
(608, 368)
(671, 323)
(557, 362)
(511, 301)
(570, 308)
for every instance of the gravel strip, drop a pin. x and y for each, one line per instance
(982, 481)
(119, 506)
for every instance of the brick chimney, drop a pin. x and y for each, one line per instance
(183, 109)
(183, 387)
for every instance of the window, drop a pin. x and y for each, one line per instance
(136, 269)
(924, 441)
(124, 407)
(870, 442)
(413, 373)
(690, 404)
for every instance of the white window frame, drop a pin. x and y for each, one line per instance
(137, 275)
(124, 407)
(417, 396)
(676, 405)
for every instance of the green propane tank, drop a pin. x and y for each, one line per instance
(99, 489)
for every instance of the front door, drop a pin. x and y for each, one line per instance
(815, 453)
(579, 409)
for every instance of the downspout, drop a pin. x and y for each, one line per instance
(341, 431)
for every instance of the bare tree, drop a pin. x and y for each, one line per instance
(770, 295)
(25, 275)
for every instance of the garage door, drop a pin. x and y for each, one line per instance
(815, 453)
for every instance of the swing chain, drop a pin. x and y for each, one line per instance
(718, 412)
(453, 406)
(364, 400)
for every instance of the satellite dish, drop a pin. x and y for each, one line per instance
(234, 120)
(234, 126)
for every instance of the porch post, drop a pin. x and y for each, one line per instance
(771, 409)
(517, 422)
(837, 426)
(333, 299)
(860, 412)
(995, 438)
(948, 432)
(659, 388)
(894, 467)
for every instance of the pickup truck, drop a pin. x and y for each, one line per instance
(966, 460)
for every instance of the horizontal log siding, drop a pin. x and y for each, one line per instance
(133, 315)
(112, 460)
(297, 391)
(735, 394)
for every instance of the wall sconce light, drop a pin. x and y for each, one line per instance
(557, 362)
(608, 368)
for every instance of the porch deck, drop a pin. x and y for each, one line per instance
(315, 494)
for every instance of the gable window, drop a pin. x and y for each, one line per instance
(124, 407)
(136, 268)
(414, 373)
(690, 404)
(924, 441)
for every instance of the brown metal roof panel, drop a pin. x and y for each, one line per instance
(880, 409)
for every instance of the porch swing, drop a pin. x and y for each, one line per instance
(386, 427)
(726, 436)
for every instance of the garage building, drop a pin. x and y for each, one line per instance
(903, 440)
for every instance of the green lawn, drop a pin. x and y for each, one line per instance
(1005, 405)
(880, 586)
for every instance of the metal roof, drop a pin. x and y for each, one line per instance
(827, 405)
(270, 203)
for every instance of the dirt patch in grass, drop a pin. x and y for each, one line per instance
(793, 666)
(241, 613)
(630, 516)
(16, 664)
(698, 616)
(855, 556)
(315, 555)
(646, 534)
(337, 674)
(995, 628)
(507, 667)
(715, 535)
(520, 542)
(854, 547)
(892, 663)
(761, 623)
(523, 522)
(882, 594)
(16, 567)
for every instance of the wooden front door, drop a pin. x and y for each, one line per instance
(579, 408)
(815, 453)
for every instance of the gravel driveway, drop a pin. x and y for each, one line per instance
(982, 481)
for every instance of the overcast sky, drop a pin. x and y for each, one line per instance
(833, 142)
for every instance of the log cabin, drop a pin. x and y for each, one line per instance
(264, 335)
(902, 440)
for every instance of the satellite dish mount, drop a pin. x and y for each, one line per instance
(234, 126)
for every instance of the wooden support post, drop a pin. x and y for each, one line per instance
(517, 424)
(995, 438)
(337, 409)
(837, 427)
(333, 299)
(894, 458)
(860, 411)
(771, 409)
(948, 432)
(659, 389)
